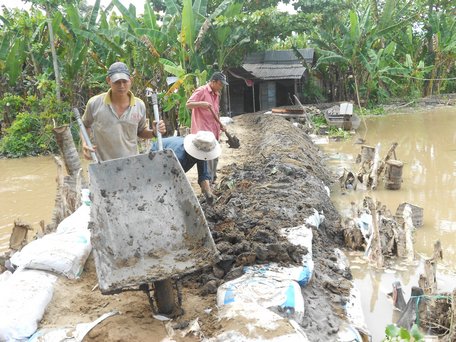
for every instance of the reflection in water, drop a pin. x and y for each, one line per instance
(375, 280)
(426, 146)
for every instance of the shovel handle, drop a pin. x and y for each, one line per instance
(84, 134)
(154, 99)
(216, 117)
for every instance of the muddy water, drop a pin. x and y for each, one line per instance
(427, 147)
(27, 192)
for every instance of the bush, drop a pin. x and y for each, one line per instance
(28, 136)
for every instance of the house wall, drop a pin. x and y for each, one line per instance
(267, 95)
(237, 102)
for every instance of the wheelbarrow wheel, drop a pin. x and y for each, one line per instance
(164, 296)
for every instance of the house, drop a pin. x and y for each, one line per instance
(268, 79)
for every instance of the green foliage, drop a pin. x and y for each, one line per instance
(376, 110)
(31, 131)
(318, 120)
(311, 92)
(395, 334)
(338, 133)
(10, 105)
(21, 138)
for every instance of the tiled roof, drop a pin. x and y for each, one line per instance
(276, 65)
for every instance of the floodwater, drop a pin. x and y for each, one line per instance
(27, 193)
(427, 147)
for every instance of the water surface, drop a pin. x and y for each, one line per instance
(427, 147)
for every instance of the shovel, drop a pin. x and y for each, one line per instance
(233, 141)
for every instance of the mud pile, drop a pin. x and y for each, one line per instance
(278, 181)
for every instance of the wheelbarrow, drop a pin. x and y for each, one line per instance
(146, 222)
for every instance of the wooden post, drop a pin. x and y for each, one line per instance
(367, 153)
(376, 255)
(393, 174)
(375, 165)
(428, 280)
(408, 228)
(391, 152)
(18, 238)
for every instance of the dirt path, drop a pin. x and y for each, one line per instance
(275, 180)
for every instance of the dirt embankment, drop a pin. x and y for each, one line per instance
(275, 180)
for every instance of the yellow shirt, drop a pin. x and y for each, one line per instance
(115, 137)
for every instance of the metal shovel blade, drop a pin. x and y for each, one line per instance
(147, 224)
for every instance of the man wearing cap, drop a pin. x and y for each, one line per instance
(204, 104)
(117, 118)
(195, 149)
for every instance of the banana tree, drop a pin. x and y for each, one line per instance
(355, 50)
(74, 53)
(191, 69)
(442, 29)
(50, 7)
(16, 39)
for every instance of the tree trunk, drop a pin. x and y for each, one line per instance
(70, 154)
(54, 55)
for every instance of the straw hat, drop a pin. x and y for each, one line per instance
(202, 145)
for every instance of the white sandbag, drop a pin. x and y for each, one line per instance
(251, 323)
(354, 312)
(282, 296)
(342, 262)
(24, 297)
(300, 274)
(226, 120)
(4, 276)
(63, 252)
(77, 221)
(316, 219)
(302, 236)
(348, 333)
(299, 236)
(364, 223)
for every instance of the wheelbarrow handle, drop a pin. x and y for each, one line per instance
(154, 99)
(84, 134)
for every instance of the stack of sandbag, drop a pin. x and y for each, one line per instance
(266, 302)
(63, 252)
(25, 294)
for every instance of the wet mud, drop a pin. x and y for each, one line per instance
(279, 183)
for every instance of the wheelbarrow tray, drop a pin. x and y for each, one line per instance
(146, 221)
